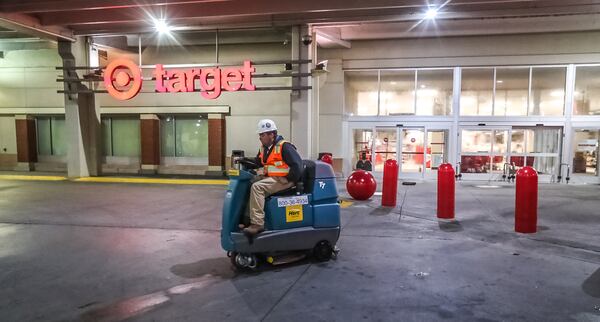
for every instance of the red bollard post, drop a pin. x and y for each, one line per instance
(390, 183)
(445, 191)
(526, 201)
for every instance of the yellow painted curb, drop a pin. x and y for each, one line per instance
(153, 180)
(32, 178)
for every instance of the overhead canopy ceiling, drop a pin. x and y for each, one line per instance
(336, 21)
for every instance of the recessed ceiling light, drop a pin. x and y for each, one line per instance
(431, 13)
(161, 26)
(499, 81)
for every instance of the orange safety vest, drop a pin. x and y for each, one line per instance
(275, 166)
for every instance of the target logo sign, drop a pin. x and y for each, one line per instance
(123, 79)
(118, 75)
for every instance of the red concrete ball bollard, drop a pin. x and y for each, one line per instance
(327, 159)
(361, 185)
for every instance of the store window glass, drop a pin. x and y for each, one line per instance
(587, 91)
(44, 136)
(361, 92)
(121, 136)
(547, 91)
(51, 135)
(167, 135)
(434, 92)
(106, 137)
(191, 136)
(477, 91)
(184, 136)
(397, 94)
(512, 90)
(126, 137)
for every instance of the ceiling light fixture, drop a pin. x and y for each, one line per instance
(161, 26)
(431, 13)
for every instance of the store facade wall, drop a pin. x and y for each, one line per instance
(539, 73)
(8, 142)
(28, 95)
(185, 118)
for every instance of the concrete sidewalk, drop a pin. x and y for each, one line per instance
(110, 252)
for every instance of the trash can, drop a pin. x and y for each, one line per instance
(236, 154)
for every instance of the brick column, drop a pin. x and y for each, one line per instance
(216, 142)
(150, 143)
(26, 142)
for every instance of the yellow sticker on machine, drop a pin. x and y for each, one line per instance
(293, 213)
(233, 172)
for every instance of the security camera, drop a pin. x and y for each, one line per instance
(307, 39)
(322, 65)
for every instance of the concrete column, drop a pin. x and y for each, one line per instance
(82, 118)
(567, 137)
(216, 142)
(150, 143)
(453, 148)
(301, 110)
(26, 142)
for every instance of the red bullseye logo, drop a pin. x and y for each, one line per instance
(119, 74)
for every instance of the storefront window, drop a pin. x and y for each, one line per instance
(434, 92)
(397, 95)
(512, 90)
(477, 91)
(361, 93)
(547, 91)
(51, 135)
(587, 91)
(184, 136)
(121, 136)
(191, 136)
(167, 136)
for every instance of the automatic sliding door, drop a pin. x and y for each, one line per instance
(413, 152)
(384, 147)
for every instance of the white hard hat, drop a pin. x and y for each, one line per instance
(266, 125)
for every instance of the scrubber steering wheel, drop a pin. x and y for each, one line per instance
(248, 165)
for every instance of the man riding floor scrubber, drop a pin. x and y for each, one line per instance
(294, 217)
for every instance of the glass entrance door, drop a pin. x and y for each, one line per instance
(485, 152)
(384, 147)
(418, 150)
(412, 151)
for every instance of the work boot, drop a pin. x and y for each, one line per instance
(241, 226)
(254, 229)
